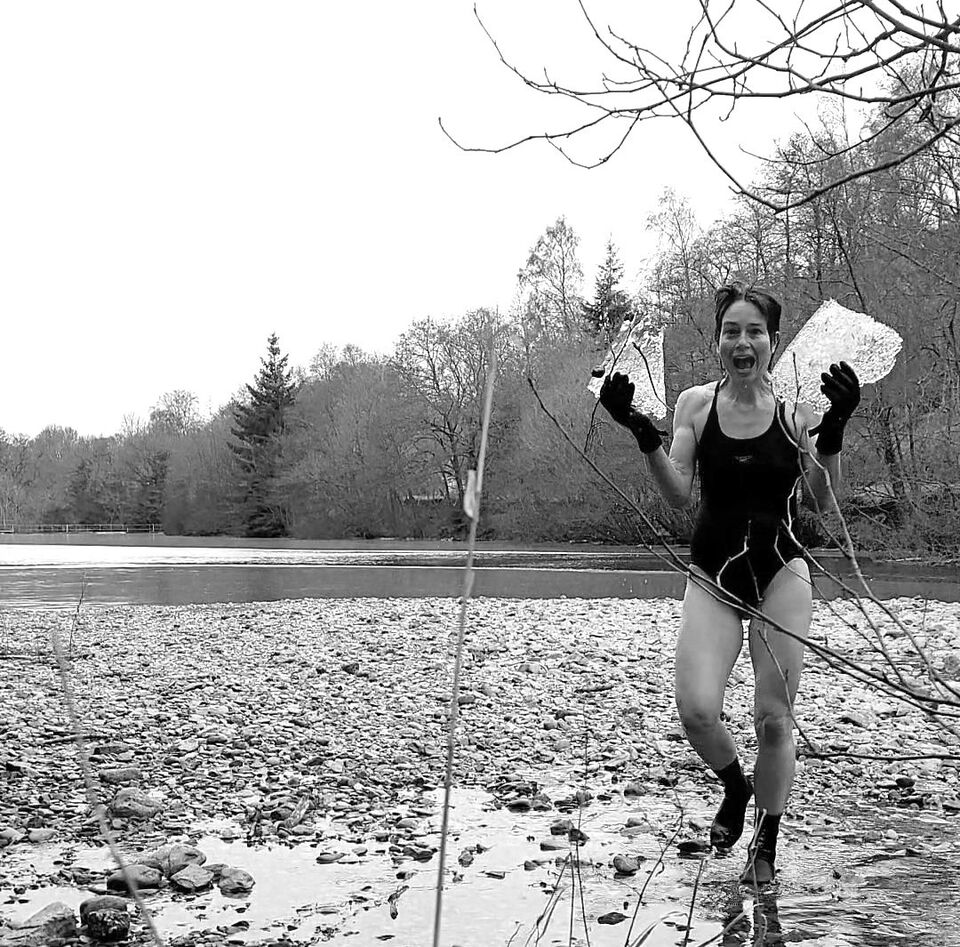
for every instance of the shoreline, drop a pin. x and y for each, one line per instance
(233, 714)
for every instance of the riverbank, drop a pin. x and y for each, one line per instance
(318, 727)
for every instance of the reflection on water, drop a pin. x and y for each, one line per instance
(831, 894)
(50, 575)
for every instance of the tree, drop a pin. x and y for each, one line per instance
(259, 425)
(149, 481)
(443, 368)
(175, 413)
(904, 62)
(610, 306)
(550, 285)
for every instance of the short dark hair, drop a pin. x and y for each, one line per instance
(765, 301)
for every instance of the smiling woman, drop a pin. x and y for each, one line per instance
(754, 455)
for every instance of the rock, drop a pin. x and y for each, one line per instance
(626, 864)
(143, 876)
(234, 881)
(10, 837)
(613, 917)
(105, 902)
(553, 844)
(466, 858)
(106, 918)
(192, 878)
(49, 927)
(130, 803)
(171, 858)
(561, 827)
(115, 775)
(40, 835)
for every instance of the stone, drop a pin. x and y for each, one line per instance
(613, 917)
(171, 858)
(115, 775)
(626, 864)
(40, 835)
(107, 902)
(192, 878)
(235, 881)
(143, 876)
(106, 918)
(51, 926)
(131, 803)
(553, 844)
(10, 837)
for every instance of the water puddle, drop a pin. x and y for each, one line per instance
(869, 878)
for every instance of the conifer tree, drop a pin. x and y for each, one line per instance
(259, 423)
(610, 305)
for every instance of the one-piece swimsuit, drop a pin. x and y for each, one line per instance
(749, 486)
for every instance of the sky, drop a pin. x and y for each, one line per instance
(180, 179)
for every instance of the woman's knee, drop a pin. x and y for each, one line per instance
(697, 716)
(774, 727)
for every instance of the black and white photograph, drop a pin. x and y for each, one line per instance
(480, 473)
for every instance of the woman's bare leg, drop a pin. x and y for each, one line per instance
(711, 636)
(777, 663)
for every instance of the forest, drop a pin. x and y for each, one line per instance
(368, 445)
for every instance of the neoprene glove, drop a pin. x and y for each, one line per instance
(842, 388)
(616, 396)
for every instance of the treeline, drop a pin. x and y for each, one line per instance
(361, 445)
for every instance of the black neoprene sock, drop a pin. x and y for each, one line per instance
(765, 838)
(728, 824)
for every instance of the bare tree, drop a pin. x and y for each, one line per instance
(900, 60)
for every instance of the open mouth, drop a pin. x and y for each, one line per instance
(743, 362)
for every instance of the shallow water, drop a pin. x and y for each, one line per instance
(884, 895)
(52, 575)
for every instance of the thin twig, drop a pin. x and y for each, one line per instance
(453, 713)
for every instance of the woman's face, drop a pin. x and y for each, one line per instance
(745, 345)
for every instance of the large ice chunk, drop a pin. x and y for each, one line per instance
(834, 334)
(637, 351)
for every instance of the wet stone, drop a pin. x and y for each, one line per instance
(141, 875)
(192, 878)
(235, 881)
(171, 858)
(626, 864)
(51, 926)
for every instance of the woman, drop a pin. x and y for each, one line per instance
(754, 455)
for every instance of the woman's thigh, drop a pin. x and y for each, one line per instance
(778, 658)
(711, 636)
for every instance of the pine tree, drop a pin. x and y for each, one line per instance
(258, 431)
(610, 305)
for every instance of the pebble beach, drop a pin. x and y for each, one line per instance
(319, 726)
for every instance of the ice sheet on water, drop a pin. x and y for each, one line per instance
(637, 351)
(833, 334)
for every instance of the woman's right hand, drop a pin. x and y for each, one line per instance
(616, 396)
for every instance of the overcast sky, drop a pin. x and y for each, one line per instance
(178, 180)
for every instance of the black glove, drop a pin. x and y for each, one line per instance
(616, 396)
(842, 389)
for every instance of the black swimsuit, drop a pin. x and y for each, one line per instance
(748, 505)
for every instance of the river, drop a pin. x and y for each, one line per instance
(159, 570)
